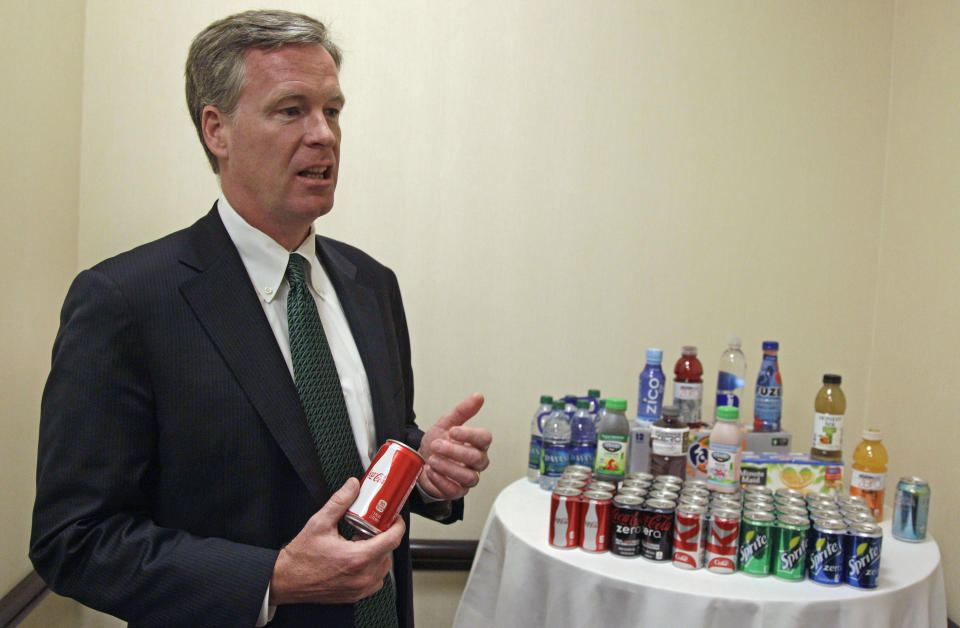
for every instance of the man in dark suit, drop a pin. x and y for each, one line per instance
(184, 477)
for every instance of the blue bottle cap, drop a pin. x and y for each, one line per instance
(654, 356)
(771, 344)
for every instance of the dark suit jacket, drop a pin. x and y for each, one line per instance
(174, 457)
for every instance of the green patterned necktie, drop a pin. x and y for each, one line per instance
(318, 384)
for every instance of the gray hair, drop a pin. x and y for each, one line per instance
(215, 65)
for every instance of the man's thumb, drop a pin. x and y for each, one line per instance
(338, 504)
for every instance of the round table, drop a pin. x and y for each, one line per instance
(518, 579)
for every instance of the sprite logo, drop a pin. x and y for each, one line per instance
(752, 545)
(823, 552)
(866, 556)
(795, 553)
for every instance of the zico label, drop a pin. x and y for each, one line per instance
(754, 552)
(668, 441)
(827, 431)
(611, 454)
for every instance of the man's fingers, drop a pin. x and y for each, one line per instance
(338, 504)
(443, 487)
(464, 410)
(476, 436)
(466, 455)
(386, 541)
(464, 476)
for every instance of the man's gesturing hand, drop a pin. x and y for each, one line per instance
(320, 566)
(455, 454)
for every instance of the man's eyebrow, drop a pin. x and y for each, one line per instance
(337, 98)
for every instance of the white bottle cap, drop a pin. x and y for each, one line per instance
(871, 433)
(735, 342)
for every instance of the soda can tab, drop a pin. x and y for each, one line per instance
(669, 496)
(756, 539)
(572, 483)
(793, 502)
(626, 525)
(790, 537)
(566, 513)
(642, 476)
(697, 483)
(672, 479)
(859, 517)
(690, 528)
(862, 555)
(759, 507)
(796, 511)
(595, 535)
(788, 492)
(600, 485)
(694, 500)
(385, 488)
(825, 563)
(756, 489)
(823, 513)
(657, 519)
(578, 469)
(632, 490)
(721, 553)
(645, 485)
(851, 499)
(911, 509)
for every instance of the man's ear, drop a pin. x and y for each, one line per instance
(216, 131)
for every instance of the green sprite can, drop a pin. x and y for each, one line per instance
(756, 539)
(790, 547)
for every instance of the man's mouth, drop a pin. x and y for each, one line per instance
(317, 172)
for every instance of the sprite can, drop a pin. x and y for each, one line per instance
(790, 547)
(756, 539)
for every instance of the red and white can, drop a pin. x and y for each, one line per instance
(566, 514)
(596, 521)
(722, 542)
(391, 476)
(690, 536)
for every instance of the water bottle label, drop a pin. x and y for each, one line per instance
(721, 463)
(868, 481)
(582, 453)
(827, 431)
(687, 390)
(556, 458)
(611, 456)
(729, 381)
(536, 451)
(728, 399)
(668, 441)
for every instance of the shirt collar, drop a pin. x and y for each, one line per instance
(265, 260)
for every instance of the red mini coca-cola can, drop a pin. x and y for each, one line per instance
(391, 476)
(566, 514)
(722, 542)
(690, 536)
(595, 536)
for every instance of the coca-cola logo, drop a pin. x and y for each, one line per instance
(626, 518)
(658, 522)
(376, 476)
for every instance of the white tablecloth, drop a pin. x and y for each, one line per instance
(518, 579)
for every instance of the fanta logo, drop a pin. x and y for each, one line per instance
(697, 455)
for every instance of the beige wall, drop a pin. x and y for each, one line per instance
(41, 44)
(560, 185)
(916, 345)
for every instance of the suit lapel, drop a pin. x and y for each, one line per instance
(365, 316)
(227, 307)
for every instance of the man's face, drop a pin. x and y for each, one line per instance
(280, 149)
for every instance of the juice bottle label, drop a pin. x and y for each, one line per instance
(687, 390)
(868, 481)
(827, 431)
(721, 464)
(611, 454)
(668, 441)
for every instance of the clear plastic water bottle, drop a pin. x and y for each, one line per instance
(536, 437)
(601, 410)
(583, 436)
(593, 396)
(556, 446)
(731, 376)
(652, 386)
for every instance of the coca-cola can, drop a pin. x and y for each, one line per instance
(596, 521)
(669, 496)
(632, 490)
(643, 476)
(674, 479)
(721, 555)
(626, 525)
(578, 468)
(600, 485)
(657, 518)
(391, 476)
(566, 513)
(572, 483)
(690, 536)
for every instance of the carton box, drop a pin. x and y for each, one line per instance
(796, 471)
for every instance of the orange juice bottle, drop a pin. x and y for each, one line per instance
(870, 471)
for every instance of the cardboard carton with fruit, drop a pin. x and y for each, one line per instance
(796, 471)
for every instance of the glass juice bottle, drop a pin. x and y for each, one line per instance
(829, 407)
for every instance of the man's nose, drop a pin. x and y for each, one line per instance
(319, 130)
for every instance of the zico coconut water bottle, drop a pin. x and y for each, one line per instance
(768, 402)
(652, 383)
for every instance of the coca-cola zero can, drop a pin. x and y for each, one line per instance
(657, 521)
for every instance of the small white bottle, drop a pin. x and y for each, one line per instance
(723, 454)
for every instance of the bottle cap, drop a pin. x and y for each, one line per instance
(616, 403)
(729, 413)
(671, 411)
(735, 342)
(546, 399)
(770, 345)
(872, 433)
(559, 404)
(831, 379)
(583, 404)
(602, 403)
(654, 356)
(688, 350)
(593, 392)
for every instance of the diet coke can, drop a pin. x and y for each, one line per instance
(566, 512)
(392, 475)
(596, 521)
(689, 536)
(722, 542)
